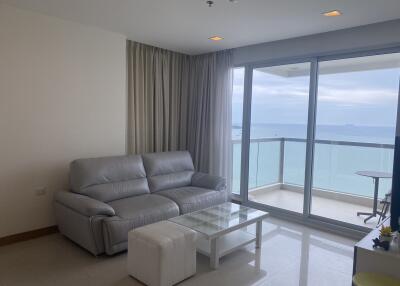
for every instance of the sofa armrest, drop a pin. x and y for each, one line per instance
(207, 181)
(83, 204)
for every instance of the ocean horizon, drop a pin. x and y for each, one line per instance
(347, 132)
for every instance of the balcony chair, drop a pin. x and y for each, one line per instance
(385, 206)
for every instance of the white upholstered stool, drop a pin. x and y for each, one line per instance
(162, 253)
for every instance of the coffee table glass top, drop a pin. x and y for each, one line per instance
(213, 220)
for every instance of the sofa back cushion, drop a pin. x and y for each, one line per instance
(168, 170)
(109, 178)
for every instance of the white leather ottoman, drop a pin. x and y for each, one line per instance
(162, 253)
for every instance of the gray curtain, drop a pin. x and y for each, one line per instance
(157, 99)
(209, 119)
(180, 102)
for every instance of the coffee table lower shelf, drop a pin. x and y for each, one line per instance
(225, 244)
(222, 228)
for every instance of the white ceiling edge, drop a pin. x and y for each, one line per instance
(185, 25)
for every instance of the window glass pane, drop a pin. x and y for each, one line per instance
(356, 113)
(278, 132)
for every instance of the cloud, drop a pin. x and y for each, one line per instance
(342, 95)
(377, 96)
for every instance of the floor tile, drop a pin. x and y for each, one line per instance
(291, 254)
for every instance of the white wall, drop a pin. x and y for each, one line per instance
(364, 37)
(62, 97)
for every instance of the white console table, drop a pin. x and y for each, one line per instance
(369, 259)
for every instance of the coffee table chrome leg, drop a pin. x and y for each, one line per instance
(214, 253)
(258, 233)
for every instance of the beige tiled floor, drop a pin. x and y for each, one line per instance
(291, 255)
(330, 208)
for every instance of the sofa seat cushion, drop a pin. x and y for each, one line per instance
(134, 212)
(190, 199)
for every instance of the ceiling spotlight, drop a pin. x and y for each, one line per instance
(333, 13)
(211, 3)
(215, 38)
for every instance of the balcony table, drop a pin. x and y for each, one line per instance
(375, 176)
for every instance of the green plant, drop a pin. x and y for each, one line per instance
(386, 231)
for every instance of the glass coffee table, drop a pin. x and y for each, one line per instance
(222, 229)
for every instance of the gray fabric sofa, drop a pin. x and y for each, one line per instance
(109, 196)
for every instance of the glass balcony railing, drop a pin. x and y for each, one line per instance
(282, 161)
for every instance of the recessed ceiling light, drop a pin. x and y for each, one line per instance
(215, 38)
(332, 13)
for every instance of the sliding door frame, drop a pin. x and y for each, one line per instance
(306, 217)
(244, 174)
(312, 115)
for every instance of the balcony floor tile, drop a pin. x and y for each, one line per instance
(325, 207)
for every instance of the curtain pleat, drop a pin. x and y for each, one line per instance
(180, 102)
(155, 91)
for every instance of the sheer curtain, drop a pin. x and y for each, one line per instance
(180, 102)
(209, 120)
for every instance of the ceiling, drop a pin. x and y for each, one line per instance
(186, 25)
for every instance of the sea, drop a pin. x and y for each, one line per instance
(335, 165)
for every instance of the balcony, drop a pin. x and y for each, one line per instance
(276, 175)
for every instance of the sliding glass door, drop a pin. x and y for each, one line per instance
(278, 132)
(354, 137)
(315, 137)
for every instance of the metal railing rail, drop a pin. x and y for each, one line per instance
(331, 142)
(282, 141)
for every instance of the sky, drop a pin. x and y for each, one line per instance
(366, 98)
